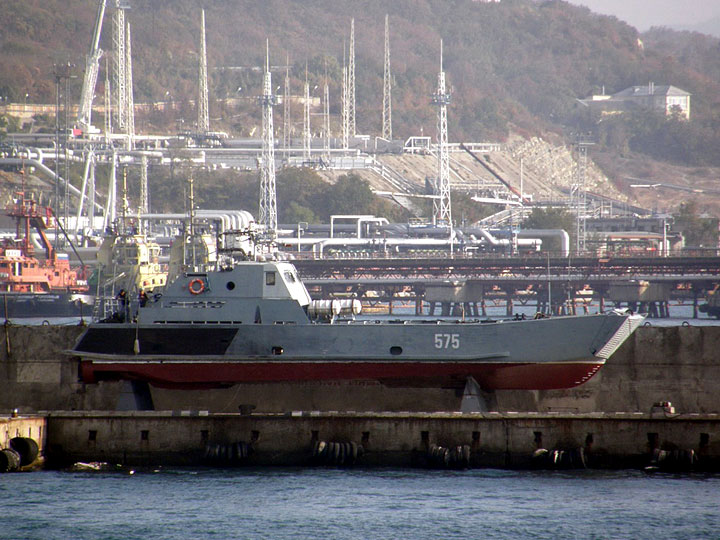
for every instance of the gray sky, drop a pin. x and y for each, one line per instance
(646, 13)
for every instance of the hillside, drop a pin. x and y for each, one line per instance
(516, 68)
(516, 63)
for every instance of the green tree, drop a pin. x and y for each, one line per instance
(551, 218)
(349, 195)
(467, 211)
(698, 231)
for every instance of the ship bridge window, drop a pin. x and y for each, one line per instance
(269, 278)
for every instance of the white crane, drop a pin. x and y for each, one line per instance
(92, 65)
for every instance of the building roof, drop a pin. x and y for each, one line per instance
(651, 90)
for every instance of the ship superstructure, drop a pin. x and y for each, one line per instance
(32, 286)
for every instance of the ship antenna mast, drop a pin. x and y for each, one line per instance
(191, 197)
(124, 203)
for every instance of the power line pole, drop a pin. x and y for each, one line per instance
(387, 86)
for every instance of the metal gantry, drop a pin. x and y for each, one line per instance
(442, 211)
(268, 197)
(387, 86)
(203, 122)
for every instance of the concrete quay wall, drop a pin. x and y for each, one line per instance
(677, 364)
(396, 439)
(32, 427)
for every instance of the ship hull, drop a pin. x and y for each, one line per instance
(44, 305)
(490, 376)
(538, 354)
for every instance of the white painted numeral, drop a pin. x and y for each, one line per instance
(447, 341)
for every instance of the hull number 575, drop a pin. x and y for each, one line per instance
(447, 341)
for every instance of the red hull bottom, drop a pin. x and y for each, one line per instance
(490, 376)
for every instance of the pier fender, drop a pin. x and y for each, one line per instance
(227, 454)
(9, 460)
(560, 458)
(672, 460)
(27, 449)
(441, 457)
(541, 458)
(336, 453)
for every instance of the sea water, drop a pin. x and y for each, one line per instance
(184, 504)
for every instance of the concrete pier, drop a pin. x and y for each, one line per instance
(508, 440)
(610, 421)
(22, 442)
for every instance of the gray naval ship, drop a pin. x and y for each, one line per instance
(255, 322)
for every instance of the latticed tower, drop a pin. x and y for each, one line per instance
(578, 193)
(119, 77)
(129, 98)
(387, 86)
(203, 122)
(351, 82)
(286, 107)
(326, 118)
(441, 207)
(345, 108)
(268, 198)
(306, 119)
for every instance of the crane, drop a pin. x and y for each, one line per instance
(92, 63)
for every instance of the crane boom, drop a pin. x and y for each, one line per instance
(92, 64)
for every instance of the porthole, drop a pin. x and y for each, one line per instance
(395, 350)
(230, 285)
